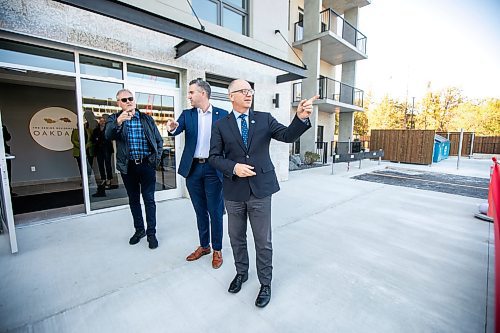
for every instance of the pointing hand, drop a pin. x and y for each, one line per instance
(305, 107)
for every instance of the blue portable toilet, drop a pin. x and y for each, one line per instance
(441, 148)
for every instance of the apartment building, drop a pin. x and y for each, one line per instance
(324, 33)
(61, 63)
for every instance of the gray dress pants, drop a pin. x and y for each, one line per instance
(258, 211)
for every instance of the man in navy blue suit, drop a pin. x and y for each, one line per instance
(240, 150)
(203, 182)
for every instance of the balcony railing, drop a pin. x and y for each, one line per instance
(331, 21)
(333, 89)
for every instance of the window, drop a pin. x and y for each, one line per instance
(220, 96)
(29, 55)
(231, 14)
(101, 67)
(144, 75)
(219, 85)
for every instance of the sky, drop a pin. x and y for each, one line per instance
(413, 44)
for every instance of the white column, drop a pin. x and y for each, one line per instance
(311, 57)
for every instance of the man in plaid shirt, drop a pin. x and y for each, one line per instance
(139, 147)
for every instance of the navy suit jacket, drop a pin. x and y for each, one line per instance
(227, 149)
(188, 122)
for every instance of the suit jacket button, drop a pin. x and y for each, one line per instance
(247, 156)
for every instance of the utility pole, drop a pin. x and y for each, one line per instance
(412, 124)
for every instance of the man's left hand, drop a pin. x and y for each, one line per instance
(305, 107)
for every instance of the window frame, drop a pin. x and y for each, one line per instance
(242, 11)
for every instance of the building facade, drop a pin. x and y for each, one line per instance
(325, 34)
(61, 63)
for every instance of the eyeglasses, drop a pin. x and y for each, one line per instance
(245, 92)
(124, 100)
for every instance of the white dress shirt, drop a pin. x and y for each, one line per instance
(239, 120)
(204, 132)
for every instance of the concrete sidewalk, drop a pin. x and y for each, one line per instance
(349, 256)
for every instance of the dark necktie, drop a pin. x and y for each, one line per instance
(244, 129)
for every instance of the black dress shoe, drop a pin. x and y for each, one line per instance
(137, 237)
(235, 285)
(263, 297)
(153, 242)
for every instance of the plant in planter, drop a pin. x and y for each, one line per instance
(310, 157)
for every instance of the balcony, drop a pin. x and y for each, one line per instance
(340, 6)
(334, 96)
(340, 41)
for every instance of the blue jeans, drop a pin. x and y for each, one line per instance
(141, 179)
(205, 190)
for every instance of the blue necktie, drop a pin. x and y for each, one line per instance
(244, 129)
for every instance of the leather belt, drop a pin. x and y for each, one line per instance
(139, 161)
(200, 160)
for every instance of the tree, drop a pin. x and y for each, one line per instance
(360, 123)
(438, 109)
(388, 114)
(481, 117)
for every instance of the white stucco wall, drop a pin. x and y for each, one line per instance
(60, 23)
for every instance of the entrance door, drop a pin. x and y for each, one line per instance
(39, 112)
(162, 103)
(7, 218)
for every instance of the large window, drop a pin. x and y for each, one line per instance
(232, 14)
(30, 55)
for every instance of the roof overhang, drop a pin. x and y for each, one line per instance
(192, 37)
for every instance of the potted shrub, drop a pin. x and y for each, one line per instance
(310, 157)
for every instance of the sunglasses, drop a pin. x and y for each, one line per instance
(245, 92)
(124, 100)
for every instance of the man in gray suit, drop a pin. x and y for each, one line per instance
(239, 148)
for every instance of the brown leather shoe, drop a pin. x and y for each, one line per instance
(198, 253)
(217, 259)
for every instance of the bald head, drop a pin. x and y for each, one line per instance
(241, 95)
(238, 84)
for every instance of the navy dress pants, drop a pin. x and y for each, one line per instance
(205, 189)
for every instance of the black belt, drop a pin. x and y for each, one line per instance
(138, 161)
(200, 160)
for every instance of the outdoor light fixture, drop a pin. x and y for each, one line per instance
(276, 101)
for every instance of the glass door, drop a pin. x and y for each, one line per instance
(6, 215)
(162, 103)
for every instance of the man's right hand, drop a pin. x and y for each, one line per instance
(123, 116)
(172, 125)
(243, 170)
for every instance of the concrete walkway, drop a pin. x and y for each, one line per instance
(349, 256)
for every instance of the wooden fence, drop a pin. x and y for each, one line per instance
(487, 145)
(407, 146)
(480, 144)
(454, 138)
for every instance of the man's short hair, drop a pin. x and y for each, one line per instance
(203, 85)
(123, 90)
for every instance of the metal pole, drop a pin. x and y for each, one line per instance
(460, 147)
(348, 151)
(412, 125)
(472, 145)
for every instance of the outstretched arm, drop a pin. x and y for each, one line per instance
(177, 127)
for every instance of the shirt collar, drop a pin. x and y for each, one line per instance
(200, 111)
(237, 114)
(136, 114)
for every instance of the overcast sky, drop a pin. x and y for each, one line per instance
(445, 42)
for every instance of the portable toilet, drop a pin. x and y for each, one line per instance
(441, 148)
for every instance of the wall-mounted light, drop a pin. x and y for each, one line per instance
(276, 100)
